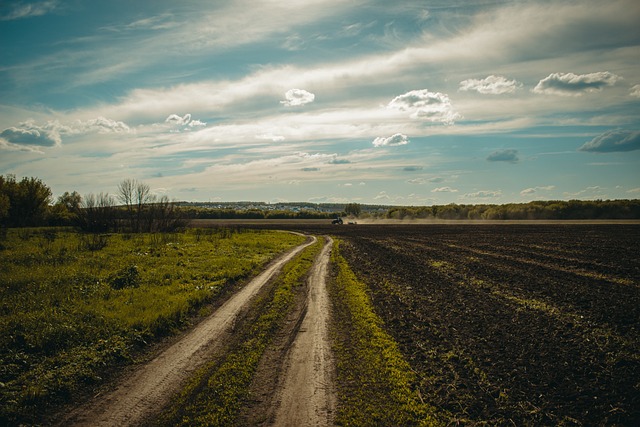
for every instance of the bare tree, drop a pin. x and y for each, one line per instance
(126, 191)
(97, 214)
(143, 196)
(134, 195)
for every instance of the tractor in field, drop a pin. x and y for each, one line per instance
(338, 221)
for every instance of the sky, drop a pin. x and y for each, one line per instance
(366, 101)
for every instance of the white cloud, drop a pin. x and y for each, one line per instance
(635, 91)
(425, 105)
(569, 84)
(444, 190)
(490, 85)
(297, 97)
(614, 140)
(178, 123)
(483, 194)
(392, 141)
(101, 125)
(533, 190)
(175, 119)
(418, 181)
(509, 155)
(197, 123)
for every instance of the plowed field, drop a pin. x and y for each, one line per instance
(512, 324)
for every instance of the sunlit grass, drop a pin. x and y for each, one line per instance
(72, 305)
(375, 383)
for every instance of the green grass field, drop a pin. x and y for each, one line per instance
(74, 305)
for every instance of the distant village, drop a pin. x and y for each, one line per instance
(325, 208)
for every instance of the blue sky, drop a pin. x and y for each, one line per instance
(405, 103)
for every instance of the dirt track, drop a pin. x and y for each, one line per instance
(149, 389)
(307, 397)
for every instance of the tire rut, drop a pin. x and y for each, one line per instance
(307, 396)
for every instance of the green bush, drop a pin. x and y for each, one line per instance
(128, 277)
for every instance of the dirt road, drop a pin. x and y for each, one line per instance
(150, 388)
(307, 396)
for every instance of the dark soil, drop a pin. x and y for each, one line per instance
(510, 324)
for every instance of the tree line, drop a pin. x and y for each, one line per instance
(537, 210)
(192, 212)
(29, 203)
(134, 208)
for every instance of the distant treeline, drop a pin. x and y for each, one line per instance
(216, 213)
(29, 203)
(538, 210)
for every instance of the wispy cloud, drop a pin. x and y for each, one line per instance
(444, 190)
(484, 194)
(22, 10)
(490, 85)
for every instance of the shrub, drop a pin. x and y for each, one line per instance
(128, 277)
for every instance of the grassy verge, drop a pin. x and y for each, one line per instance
(375, 383)
(215, 394)
(74, 305)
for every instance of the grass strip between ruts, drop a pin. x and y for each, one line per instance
(374, 381)
(215, 394)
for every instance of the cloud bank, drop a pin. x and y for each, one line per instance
(50, 134)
